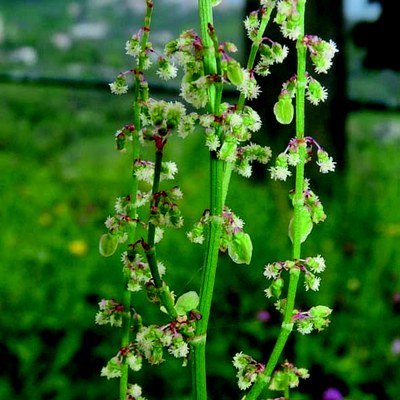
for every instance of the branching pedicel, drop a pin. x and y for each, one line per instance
(142, 216)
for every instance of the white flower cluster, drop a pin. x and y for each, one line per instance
(290, 157)
(150, 341)
(309, 266)
(113, 368)
(287, 18)
(110, 313)
(271, 54)
(287, 376)
(144, 170)
(138, 270)
(316, 318)
(321, 52)
(235, 128)
(248, 369)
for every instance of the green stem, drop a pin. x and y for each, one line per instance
(125, 339)
(241, 101)
(126, 296)
(163, 290)
(211, 65)
(254, 49)
(298, 203)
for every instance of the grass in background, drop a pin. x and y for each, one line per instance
(60, 175)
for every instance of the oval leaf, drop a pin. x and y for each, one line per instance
(187, 302)
(306, 225)
(284, 110)
(108, 244)
(240, 248)
(235, 72)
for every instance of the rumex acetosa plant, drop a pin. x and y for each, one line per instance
(152, 207)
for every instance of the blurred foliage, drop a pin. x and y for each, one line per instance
(85, 39)
(60, 176)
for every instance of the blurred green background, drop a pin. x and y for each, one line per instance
(59, 178)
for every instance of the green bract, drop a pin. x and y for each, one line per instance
(228, 150)
(305, 222)
(108, 244)
(240, 248)
(283, 110)
(235, 72)
(187, 302)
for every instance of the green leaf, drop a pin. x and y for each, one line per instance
(306, 223)
(108, 244)
(240, 248)
(283, 110)
(187, 302)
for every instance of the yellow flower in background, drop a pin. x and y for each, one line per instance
(78, 247)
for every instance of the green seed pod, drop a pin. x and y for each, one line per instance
(284, 110)
(306, 225)
(108, 244)
(234, 72)
(320, 311)
(187, 302)
(120, 139)
(228, 150)
(240, 248)
(276, 287)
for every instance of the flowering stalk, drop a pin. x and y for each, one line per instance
(126, 297)
(263, 379)
(211, 67)
(149, 246)
(255, 46)
(228, 130)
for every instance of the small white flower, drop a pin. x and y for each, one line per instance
(118, 89)
(251, 119)
(245, 170)
(282, 54)
(206, 120)
(134, 362)
(159, 234)
(316, 264)
(279, 173)
(132, 48)
(168, 170)
(212, 141)
(293, 158)
(305, 328)
(135, 391)
(251, 22)
(198, 239)
(270, 271)
(179, 349)
(330, 49)
(326, 165)
(169, 71)
(268, 292)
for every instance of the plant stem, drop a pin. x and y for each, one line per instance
(254, 49)
(211, 67)
(163, 291)
(298, 203)
(126, 296)
(241, 101)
